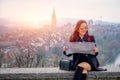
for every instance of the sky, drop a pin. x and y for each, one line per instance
(38, 10)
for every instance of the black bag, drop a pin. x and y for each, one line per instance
(66, 64)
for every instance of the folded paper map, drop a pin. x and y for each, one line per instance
(80, 47)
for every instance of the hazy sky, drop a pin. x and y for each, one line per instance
(35, 10)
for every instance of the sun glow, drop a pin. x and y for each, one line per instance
(33, 20)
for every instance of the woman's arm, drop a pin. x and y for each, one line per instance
(95, 49)
(64, 52)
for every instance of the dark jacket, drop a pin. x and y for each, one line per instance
(91, 59)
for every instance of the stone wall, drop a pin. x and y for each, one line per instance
(54, 74)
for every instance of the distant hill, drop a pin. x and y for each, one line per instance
(60, 22)
(5, 22)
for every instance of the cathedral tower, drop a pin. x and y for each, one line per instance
(53, 19)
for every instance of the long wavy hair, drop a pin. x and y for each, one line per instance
(75, 34)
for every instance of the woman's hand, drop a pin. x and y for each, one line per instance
(64, 48)
(95, 49)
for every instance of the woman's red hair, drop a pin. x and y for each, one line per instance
(75, 33)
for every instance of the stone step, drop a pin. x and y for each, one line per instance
(54, 74)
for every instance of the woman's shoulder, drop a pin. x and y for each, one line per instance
(72, 38)
(91, 38)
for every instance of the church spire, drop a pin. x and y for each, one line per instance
(53, 18)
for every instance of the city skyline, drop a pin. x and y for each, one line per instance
(41, 10)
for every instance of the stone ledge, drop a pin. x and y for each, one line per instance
(54, 74)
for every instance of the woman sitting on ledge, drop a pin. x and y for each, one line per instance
(82, 63)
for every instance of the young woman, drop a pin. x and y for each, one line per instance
(82, 63)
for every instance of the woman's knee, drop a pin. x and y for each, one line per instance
(84, 71)
(85, 65)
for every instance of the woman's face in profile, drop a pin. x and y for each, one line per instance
(83, 29)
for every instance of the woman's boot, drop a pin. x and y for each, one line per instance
(78, 73)
(83, 77)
